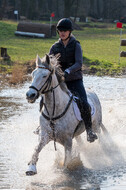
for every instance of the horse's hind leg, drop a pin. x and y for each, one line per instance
(80, 143)
(68, 148)
(79, 140)
(32, 164)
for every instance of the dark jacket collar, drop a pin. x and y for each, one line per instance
(72, 38)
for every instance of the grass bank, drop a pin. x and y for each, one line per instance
(100, 47)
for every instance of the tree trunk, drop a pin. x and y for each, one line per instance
(76, 10)
(67, 7)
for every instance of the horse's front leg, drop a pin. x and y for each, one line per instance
(32, 164)
(68, 149)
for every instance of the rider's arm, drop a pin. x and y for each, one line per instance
(78, 60)
(51, 52)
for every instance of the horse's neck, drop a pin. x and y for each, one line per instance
(59, 98)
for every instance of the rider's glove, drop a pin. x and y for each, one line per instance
(66, 74)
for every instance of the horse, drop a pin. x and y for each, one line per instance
(58, 121)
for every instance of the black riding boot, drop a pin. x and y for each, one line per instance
(86, 116)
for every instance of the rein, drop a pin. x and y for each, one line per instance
(59, 116)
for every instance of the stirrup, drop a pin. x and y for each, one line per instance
(91, 136)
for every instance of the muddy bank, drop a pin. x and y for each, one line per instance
(8, 67)
(23, 74)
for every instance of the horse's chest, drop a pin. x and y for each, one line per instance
(65, 126)
(60, 128)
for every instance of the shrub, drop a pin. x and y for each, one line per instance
(18, 73)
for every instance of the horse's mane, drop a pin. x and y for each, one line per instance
(52, 63)
(60, 76)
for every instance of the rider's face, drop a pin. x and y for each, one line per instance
(64, 34)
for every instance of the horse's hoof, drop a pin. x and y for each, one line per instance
(31, 170)
(29, 173)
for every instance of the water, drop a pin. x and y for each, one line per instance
(103, 164)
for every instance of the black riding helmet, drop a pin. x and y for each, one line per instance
(64, 24)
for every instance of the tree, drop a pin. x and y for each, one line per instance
(68, 7)
(6, 9)
(41, 9)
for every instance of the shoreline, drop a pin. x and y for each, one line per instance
(21, 73)
(5, 78)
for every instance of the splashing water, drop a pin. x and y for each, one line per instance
(98, 165)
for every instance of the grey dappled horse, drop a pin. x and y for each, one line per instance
(57, 119)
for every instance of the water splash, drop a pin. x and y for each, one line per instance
(99, 165)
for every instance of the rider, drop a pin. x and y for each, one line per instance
(71, 63)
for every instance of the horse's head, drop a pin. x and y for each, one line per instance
(41, 77)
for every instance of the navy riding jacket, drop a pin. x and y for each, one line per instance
(71, 57)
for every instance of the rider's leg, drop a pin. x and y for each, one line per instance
(86, 116)
(77, 88)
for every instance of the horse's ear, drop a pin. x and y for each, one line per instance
(47, 59)
(38, 60)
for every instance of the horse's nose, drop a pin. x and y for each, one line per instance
(29, 95)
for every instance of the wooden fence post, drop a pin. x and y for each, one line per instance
(123, 43)
(4, 53)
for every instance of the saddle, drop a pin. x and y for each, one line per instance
(77, 106)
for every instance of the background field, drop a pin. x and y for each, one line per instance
(100, 44)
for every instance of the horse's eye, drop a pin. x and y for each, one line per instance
(44, 76)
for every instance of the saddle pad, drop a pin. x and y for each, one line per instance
(92, 107)
(77, 111)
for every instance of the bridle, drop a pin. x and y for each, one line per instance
(46, 87)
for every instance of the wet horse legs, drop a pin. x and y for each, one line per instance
(32, 164)
(68, 148)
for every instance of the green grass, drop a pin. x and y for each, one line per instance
(22, 49)
(100, 47)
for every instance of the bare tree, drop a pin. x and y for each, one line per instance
(6, 9)
(76, 9)
(68, 7)
(41, 9)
